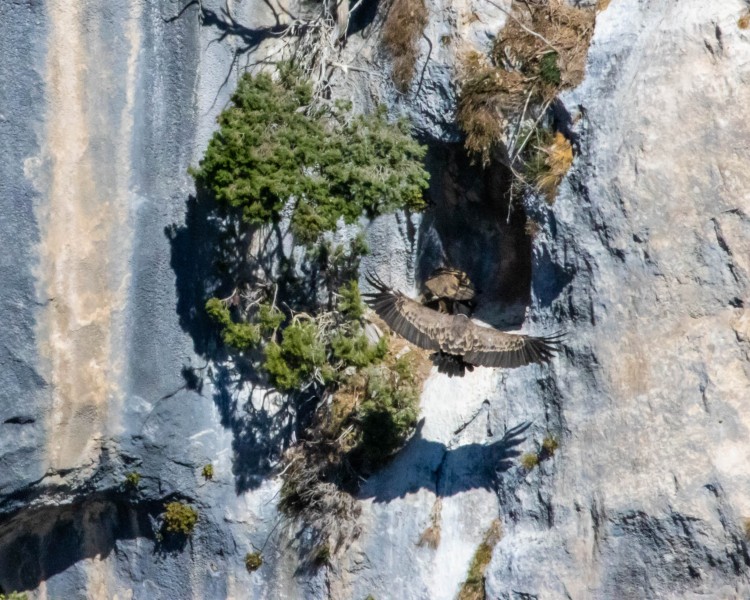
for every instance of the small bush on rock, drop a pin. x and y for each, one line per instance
(132, 480)
(529, 460)
(179, 518)
(473, 587)
(253, 561)
(274, 146)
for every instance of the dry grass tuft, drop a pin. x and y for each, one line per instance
(473, 587)
(529, 460)
(744, 21)
(431, 536)
(602, 5)
(486, 95)
(541, 50)
(403, 27)
(535, 32)
(559, 157)
(531, 228)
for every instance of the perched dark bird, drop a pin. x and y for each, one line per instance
(449, 290)
(458, 343)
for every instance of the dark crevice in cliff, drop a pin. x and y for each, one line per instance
(475, 225)
(39, 542)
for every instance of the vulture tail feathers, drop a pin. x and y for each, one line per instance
(450, 364)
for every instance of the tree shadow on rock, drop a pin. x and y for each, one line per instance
(210, 256)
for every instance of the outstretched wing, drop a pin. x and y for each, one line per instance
(477, 345)
(418, 324)
(493, 348)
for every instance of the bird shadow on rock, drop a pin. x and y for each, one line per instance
(447, 471)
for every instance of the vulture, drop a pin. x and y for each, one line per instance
(449, 290)
(458, 343)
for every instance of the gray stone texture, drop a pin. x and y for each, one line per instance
(643, 261)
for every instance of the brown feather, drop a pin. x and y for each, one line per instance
(456, 335)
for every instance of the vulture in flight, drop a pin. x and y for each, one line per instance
(458, 343)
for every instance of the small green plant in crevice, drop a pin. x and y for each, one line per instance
(549, 447)
(322, 554)
(179, 518)
(549, 71)
(473, 586)
(208, 472)
(253, 561)
(529, 460)
(132, 480)
(14, 596)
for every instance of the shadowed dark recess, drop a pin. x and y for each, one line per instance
(38, 543)
(470, 226)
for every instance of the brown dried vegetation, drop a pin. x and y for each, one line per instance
(557, 158)
(473, 587)
(431, 535)
(403, 27)
(541, 50)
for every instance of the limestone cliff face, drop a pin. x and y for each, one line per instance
(643, 260)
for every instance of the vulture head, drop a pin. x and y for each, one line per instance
(458, 344)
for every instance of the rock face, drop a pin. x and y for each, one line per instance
(643, 260)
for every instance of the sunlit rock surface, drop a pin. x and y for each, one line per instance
(643, 260)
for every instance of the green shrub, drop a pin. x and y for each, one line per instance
(388, 414)
(208, 471)
(273, 146)
(352, 348)
(180, 518)
(240, 336)
(132, 480)
(350, 301)
(300, 355)
(270, 318)
(253, 561)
